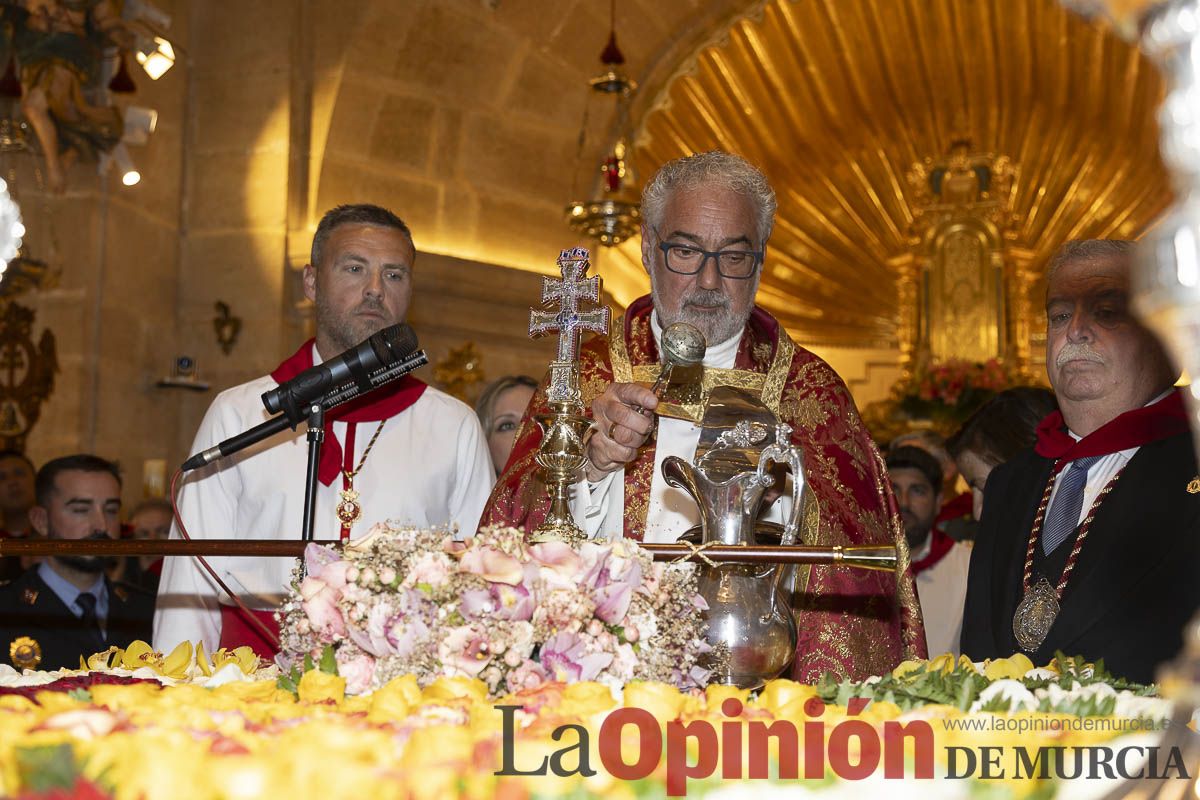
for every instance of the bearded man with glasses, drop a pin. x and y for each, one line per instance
(706, 222)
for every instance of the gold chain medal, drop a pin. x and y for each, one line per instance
(349, 509)
(1041, 603)
(1035, 615)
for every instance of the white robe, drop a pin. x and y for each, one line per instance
(430, 466)
(942, 592)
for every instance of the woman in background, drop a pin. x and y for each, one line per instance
(1001, 428)
(500, 408)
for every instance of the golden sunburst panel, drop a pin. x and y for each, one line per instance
(838, 100)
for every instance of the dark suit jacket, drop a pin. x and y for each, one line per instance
(1135, 583)
(28, 607)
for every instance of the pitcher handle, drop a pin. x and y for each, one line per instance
(785, 454)
(782, 451)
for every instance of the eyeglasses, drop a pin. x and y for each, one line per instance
(685, 259)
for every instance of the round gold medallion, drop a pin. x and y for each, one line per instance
(348, 509)
(25, 652)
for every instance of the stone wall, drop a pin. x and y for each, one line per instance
(461, 116)
(113, 311)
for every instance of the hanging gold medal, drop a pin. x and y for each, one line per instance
(1035, 615)
(349, 510)
(1042, 601)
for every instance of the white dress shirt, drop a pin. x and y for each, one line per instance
(942, 592)
(430, 466)
(599, 508)
(1101, 472)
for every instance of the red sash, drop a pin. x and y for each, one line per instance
(237, 631)
(940, 545)
(1134, 428)
(381, 404)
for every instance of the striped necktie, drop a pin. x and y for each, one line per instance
(1063, 516)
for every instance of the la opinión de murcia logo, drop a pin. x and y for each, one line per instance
(852, 749)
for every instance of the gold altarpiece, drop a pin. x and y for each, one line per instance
(964, 284)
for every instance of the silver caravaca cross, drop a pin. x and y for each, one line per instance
(561, 452)
(568, 320)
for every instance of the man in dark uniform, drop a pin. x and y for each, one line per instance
(16, 498)
(1089, 542)
(65, 607)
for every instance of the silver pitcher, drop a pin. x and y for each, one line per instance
(750, 623)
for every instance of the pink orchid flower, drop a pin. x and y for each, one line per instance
(558, 556)
(565, 658)
(323, 611)
(465, 650)
(492, 565)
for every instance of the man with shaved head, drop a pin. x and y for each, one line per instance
(1088, 543)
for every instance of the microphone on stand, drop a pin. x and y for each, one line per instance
(356, 364)
(399, 363)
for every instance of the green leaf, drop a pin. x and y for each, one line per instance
(998, 704)
(328, 661)
(308, 663)
(80, 694)
(47, 767)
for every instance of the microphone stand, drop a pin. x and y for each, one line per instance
(316, 408)
(316, 438)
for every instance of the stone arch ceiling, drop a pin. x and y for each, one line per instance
(836, 99)
(465, 115)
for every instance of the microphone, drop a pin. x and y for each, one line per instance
(378, 350)
(336, 397)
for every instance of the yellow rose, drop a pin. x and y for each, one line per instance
(253, 691)
(662, 700)
(54, 702)
(584, 699)
(132, 696)
(151, 763)
(444, 689)
(319, 687)
(778, 693)
(15, 702)
(395, 700)
(439, 745)
(880, 711)
(717, 693)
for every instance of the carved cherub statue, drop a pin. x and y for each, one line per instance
(59, 47)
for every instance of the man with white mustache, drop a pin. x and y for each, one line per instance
(706, 220)
(1088, 543)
